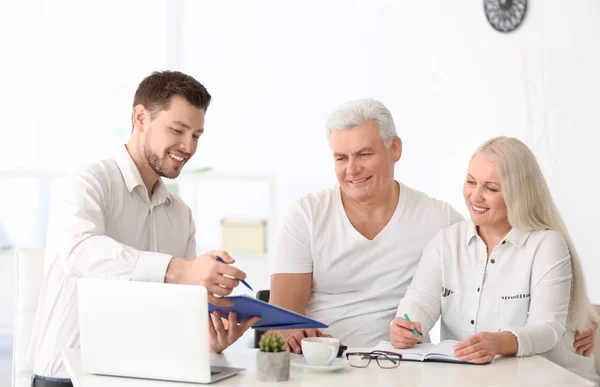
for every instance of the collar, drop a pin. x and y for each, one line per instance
(517, 237)
(471, 232)
(514, 236)
(133, 178)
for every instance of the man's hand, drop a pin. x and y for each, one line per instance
(483, 347)
(293, 338)
(402, 335)
(217, 277)
(584, 341)
(223, 333)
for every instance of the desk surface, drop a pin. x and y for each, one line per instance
(531, 371)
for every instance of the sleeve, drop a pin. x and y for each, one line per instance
(455, 216)
(422, 301)
(77, 232)
(291, 249)
(551, 280)
(190, 250)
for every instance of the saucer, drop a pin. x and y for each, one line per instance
(337, 364)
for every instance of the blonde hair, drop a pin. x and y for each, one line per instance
(530, 207)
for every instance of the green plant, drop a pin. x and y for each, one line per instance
(271, 342)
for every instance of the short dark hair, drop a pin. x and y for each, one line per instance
(156, 91)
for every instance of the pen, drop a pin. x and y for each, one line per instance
(414, 330)
(242, 281)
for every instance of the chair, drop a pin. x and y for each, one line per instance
(263, 295)
(29, 278)
(597, 342)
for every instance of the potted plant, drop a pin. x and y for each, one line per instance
(272, 360)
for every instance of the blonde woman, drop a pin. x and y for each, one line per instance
(508, 281)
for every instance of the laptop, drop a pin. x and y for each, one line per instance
(146, 330)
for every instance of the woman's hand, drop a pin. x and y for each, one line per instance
(483, 347)
(402, 335)
(584, 341)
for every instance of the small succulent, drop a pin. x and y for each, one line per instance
(271, 342)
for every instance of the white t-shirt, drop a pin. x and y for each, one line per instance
(357, 282)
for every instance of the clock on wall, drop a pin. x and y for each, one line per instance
(505, 15)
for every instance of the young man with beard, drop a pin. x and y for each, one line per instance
(116, 220)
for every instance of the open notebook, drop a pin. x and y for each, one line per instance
(441, 352)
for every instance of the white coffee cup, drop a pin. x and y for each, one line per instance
(320, 351)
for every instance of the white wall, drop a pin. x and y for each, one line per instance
(68, 75)
(277, 68)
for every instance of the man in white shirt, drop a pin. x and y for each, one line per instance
(346, 254)
(116, 220)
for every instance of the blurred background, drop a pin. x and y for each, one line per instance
(275, 70)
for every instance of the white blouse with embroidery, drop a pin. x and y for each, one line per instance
(524, 288)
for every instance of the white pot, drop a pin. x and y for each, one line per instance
(273, 366)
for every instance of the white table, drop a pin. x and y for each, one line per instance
(531, 371)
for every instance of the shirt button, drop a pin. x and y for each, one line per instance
(503, 242)
(478, 290)
(472, 322)
(493, 261)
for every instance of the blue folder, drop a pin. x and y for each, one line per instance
(271, 316)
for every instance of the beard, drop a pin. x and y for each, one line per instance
(154, 160)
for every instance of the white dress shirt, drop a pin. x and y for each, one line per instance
(103, 225)
(524, 288)
(356, 282)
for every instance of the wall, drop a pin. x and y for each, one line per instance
(69, 75)
(276, 69)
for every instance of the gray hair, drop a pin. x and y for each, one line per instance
(530, 207)
(359, 112)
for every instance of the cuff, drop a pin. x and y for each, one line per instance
(151, 267)
(523, 341)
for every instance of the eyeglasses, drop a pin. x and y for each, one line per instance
(384, 359)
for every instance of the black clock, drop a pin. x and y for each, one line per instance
(505, 15)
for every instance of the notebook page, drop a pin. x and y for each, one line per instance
(417, 352)
(445, 349)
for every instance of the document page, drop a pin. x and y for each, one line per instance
(426, 351)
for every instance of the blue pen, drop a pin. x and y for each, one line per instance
(242, 281)
(414, 330)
